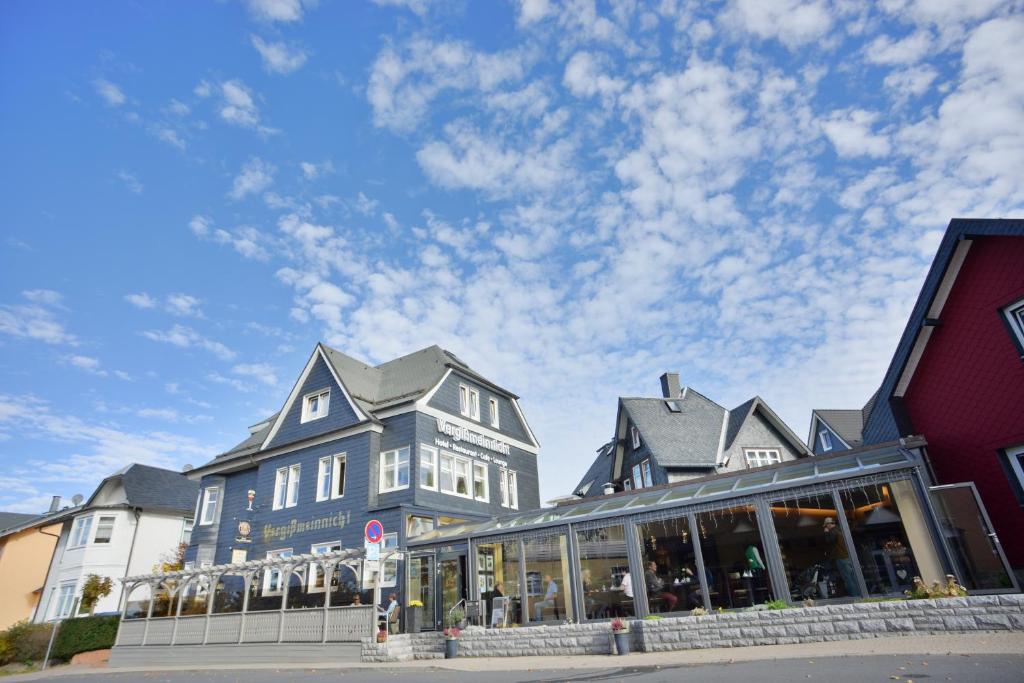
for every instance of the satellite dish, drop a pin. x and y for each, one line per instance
(77, 499)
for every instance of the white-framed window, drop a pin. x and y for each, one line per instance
(208, 511)
(455, 474)
(65, 601)
(638, 477)
(418, 525)
(330, 477)
(508, 484)
(826, 440)
(469, 402)
(645, 466)
(1016, 457)
(272, 576)
(428, 467)
(286, 486)
(634, 434)
(1015, 317)
(81, 529)
(759, 457)
(389, 568)
(317, 573)
(394, 470)
(627, 485)
(492, 404)
(186, 530)
(480, 487)
(104, 529)
(315, 405)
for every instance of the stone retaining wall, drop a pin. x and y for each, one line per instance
(731, 629)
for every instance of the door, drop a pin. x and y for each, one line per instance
(971, 540)
(451, 574)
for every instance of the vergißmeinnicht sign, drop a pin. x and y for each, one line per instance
(458, 433)
(283, 532)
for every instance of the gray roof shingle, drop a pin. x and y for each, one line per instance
(599, 473)
(848, 424)
(688, 438)
(154, 488)
(11, 519)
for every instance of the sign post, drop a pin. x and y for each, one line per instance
(374, 533)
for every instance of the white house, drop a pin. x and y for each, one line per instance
(136, 518)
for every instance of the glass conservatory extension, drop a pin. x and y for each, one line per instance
(852, 525)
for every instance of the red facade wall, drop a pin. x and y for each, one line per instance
(967, 395)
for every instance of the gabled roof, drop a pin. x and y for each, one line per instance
(747, 409)
(153, 488)
(687, 438)
(847, 424)
(33, 521)
(880, 424)
(10, 519)
(600, 471)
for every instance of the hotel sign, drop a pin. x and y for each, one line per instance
(282, 532)
(458, 433)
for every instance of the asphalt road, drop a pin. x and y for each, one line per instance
(855, 669)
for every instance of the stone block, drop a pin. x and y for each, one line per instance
(847, 627)
(1012, 599)
(899, 625)
(959, 623)
(798, 630)
(872, 626)
(993, 622)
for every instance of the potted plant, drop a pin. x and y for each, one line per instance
(451, 634)
(382, 635)
(415, 616)
(620, 629)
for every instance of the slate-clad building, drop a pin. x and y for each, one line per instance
(684, 435)
(416, 442)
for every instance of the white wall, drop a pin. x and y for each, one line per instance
(158, 535)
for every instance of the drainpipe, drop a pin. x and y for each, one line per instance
(49, 568)
(131, 551)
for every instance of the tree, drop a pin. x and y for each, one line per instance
(95, 587)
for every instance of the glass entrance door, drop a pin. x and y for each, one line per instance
(971, 539)
(451, 574)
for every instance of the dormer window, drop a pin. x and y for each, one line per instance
(315, 405)
(1015, 321)
(635, 436)
(493, 405)
(469, 402)
(826, 440)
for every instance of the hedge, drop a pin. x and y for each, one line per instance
(85, 634)
(24, 642)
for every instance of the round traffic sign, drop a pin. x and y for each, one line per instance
(374, 531)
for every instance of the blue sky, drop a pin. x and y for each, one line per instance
(573, 197)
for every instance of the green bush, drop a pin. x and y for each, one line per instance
(84, 635)
(776, 604)
(24, 642)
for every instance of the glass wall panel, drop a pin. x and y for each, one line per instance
(547, 579)
(603, 566)
(734, 557)
(345, 588)
(137, 604)
(497, 567)
(670, 565)
(421, 586)
(306, 587)
(891, 537)
(165, 604)
(194, 596)
(229, 594)
(266, 590)
(970, 538)
(814, 554)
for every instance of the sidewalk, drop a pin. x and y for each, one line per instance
(905, 646)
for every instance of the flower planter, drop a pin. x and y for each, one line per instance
(415, 619)
(621, 642)
(451, 648)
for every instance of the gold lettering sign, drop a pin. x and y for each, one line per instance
(283, 532)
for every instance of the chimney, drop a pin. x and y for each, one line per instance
(608, 489)
(54, 504)
(670, 385)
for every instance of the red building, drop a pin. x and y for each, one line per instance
(957, 377)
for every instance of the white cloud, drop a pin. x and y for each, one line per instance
(794, 23)
(531, 11)
(247, 241)
(109, 92)
(279, 10)
(279, 58)
(584, 76)
(170, 136)
(87, 363)
(261, 372)
(141, 300)
(911, 82)
(48, 297)
(200, 225)
(417, 7)
(187, 338)
(851, 133)
(184, 305)
(35, 321)
(312, 171)
(239, 108)
(130, 181)
(909, 50)
(255, 177)
(178, 108)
